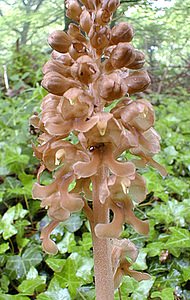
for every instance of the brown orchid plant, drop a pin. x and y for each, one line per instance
(91, 66)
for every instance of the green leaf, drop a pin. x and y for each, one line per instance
(186, 273)
(13, 297)
(4, 283)
(154, 248)
(76, 271)
(58, 294)
(165, 294)
(55, 264)
(17, 266)
(140, 263)
(4, 247)
(29, 286)
(67, 243)
(179, 238)
(73, 223)
(143, 289)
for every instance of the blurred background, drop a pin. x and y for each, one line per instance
(162, 32)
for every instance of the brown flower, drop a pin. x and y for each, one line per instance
(122, 32)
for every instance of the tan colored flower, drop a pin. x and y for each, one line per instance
(85, 21)
(99, 37)
(59, 41)
(121, 266)
(103, 16)
(137, 82)
(122, 32)
(57, 84)
(122, 55)
(75, 33)
(85, 70)
(73, 10)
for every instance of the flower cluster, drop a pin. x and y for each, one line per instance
(91, 66)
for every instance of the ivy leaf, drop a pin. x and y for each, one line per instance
(76, 271)
(73, 223)
(186, 273)
(18, 266)
(4, 247)
(140, 263)
(67, 243)
(55, 264)
(13, 297)
(58, 294)
(179, 239)
(143, 289)
(165, 294)
(4, 283)
(154, 248)
(29, 286)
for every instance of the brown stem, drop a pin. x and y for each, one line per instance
(101, 247)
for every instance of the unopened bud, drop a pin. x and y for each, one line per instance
(74, 32)
(55, 66)
(111, 87)
(137, 82)
(103, 16)
(85, 21)
(57, 84)
(65, 59)
(139, 61)
(90, 4)
(59, 41)
(99, 37)
(73, 10)
(122, 55)
(123, 32)
(110, 5)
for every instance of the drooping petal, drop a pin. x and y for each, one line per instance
(41, 192)
(113, 229)
(139, 276)
(138, 190)
(140, 226)
(119, 168)
(87, 169)
(48, 245)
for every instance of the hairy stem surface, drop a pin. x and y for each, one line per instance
(102, 249)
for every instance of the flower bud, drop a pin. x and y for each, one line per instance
(74, 32)
(111, 87)
(123, 32)
(73, 10)
(122, 55)
(57, 84)
(55, 66)
(77, 49)
(139, 61)
(137, 82)
(60, 41)
(103, 16)
(65, 59)
(90, 4)
(85, 21)
(99, 37)
(110, 5)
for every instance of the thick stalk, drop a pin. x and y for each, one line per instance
(102, 249)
